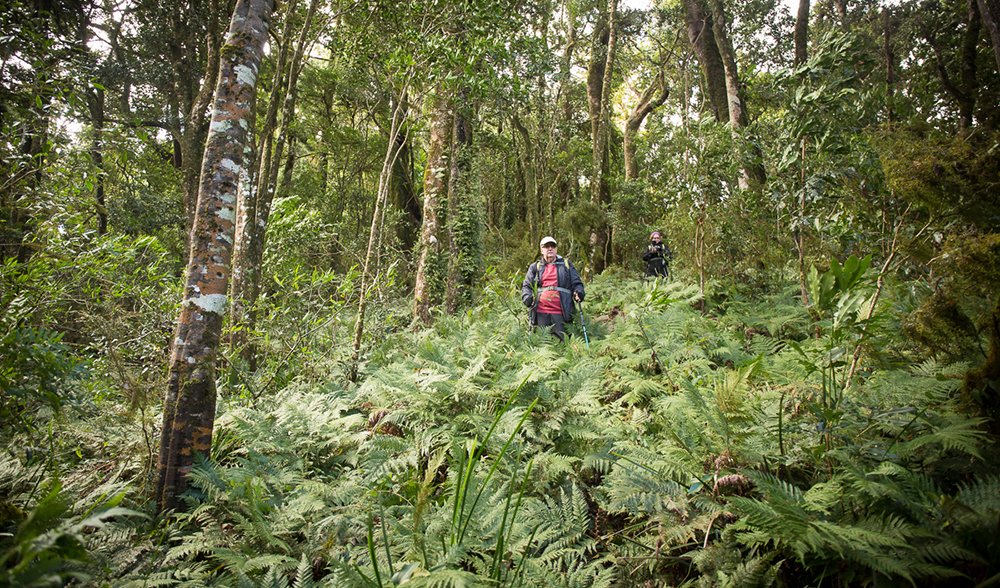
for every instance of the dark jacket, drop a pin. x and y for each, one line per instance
(568, 281)
(657, 256)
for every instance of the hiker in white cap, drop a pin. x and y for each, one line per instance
(549, 289)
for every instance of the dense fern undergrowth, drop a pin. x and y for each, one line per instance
(667, 447)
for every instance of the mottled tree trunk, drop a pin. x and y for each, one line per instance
(435, 184)
(191, 95)
(245, 277)
(189, 404)
(652, 98)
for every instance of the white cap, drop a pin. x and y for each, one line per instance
(547, 240)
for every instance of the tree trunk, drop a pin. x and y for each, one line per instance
(652, 98)
(970, 41)
(95, 103)
(890, 65)
(191, 97)
(702, 38)
(964, 93)
(753, 169)
(463, 228)
(404, 193)
(599, 98)
(435, 176)
(28, 177)
(246, 273)
(528, 173)
(249, 264)
(990, 11)
(565, 70)
(800, 228)
(375, 233)
(802, 33)
(189, 404)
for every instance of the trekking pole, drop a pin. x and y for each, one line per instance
(583, 323)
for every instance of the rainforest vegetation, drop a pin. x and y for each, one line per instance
(261, 318)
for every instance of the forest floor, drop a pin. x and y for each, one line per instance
(668, 447)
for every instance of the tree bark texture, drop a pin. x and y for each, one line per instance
(245, 277)
(702, 39)
(734, 90)
(652, 98)
(189, 404)
(435, 185)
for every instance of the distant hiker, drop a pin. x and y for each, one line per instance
(657, 256)
(549, 289)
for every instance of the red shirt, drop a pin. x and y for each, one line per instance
(548, 301)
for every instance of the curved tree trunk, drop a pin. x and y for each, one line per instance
(652, 98)
(189, 404)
